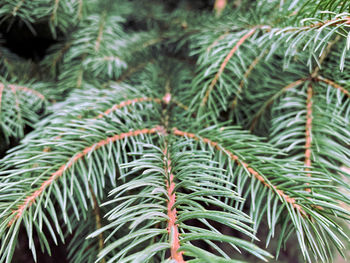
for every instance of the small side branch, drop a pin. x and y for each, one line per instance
(127, 103)
(271, 100)
(245, 76)
(29, 200)
(224, 63)
(235, 158)
(333, 84)
(61, 53)
(28, 90)
(166, 100)
(100, 32)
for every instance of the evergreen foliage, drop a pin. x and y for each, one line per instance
(161, 131)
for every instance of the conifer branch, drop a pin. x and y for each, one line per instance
(172, 227)
(29, 200)
(333, 84)
(89, 167)
(245, 76)
(236, 159)
(26, 89)
(61, 53)
(132, 70)
(224, 63)
(127, 103)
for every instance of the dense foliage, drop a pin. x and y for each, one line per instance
(176, 131)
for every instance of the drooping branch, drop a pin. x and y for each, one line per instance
(29, 200)
(224, 63)
(235, 158)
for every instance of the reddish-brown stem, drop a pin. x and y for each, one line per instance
(127, 103)
(333, 84)
(308, 128)
(235, 158)
(224, 64)
(172, 227)
(166, 99)
(29, 200)
(26, 89)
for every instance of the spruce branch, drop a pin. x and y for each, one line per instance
(136, 159)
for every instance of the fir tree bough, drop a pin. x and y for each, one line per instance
(156, 131)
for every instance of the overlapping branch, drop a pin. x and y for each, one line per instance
(29, 200)
(236, 159)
